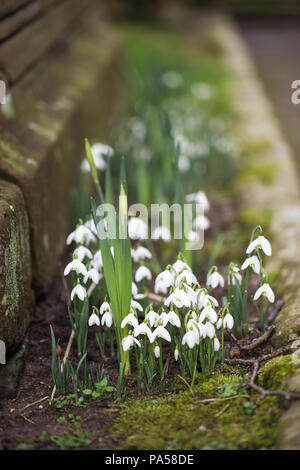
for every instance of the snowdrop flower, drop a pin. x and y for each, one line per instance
(178, 298)
(234, 274)
(94, 320)
(228, 321)
(140, 254)
(79, 291)
(98, 150)
(184, 164)
(262, 243)
(190, 339)
(166, 277)
(219, 323)
(170, 317)
(105, 307)
(179, 266)
(134, 292)
(216, 344)
(152, 317)
(107, 319)
(136, 305)
(157, 351)
(162, 233)
(266, 291)
(209, 313)
(160, 287)
(90, 224)
(200, 198)
(253, 262)
(82, 252)
(102, 149)
(160, 332)
(143, 273)
(77, 266)
(209, 329)
(188, 277)
(130, 319)
(201, 223)
(176, 353)
(172, 79)
(97, 260)
(81, 235)
(137, 229)
(143, 329)
(208, 300)
(129, 341)
(93, 275)
(214, 280)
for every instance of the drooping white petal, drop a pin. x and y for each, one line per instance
(253, 262)
(94, 320)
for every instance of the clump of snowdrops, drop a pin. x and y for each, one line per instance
(149, 318)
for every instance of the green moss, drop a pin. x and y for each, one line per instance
(181, 421)
(272, 375)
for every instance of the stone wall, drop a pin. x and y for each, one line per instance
(61, 63)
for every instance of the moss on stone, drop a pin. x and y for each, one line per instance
(272, 375)
(179, 421)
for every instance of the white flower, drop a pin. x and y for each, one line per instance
(161, 233)
(140, 254)
(102, 149)
(129, 341)
(77, 266)
(142, 273)
(130, 319)
(105, 307)
(81, 235)
(142, 329)
(160, 287)
(97, 260)
(209, 313)
(178, 298)
(107, 319)
(93, 275)
(200, 198)
(236, 277)
(94, 320)
(201, 223)
(216, 344)
(180, 265)
(262, 243)
(152, 317)
(166, 277)
(136, 305)
(135, 293)
(253, 262)
(228, 321)
(176, 354)
(98, 150)
(188, 276)
(219, 323)
(80, 291)
(160, 332)
(209, 329)
(206, 300)
(82, 252)
(157, 351)
(90, 224)
(172, 79)
(214, 280)
(266, 291)
(137, 229)
(170, 317)
(190, 339)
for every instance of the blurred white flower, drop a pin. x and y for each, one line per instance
(105, 307)
(200, 198)
(228, 321)
(130, 319)
(201, 223)
(81, 235)
(172, 79)
(107, 319)
(187, 276)
(170, 317)
(157, 351)
(160, 332)
(142, 273)
(94, 320)
(190, 338)
(162, 233)
(178, 298)
(142, 329)
(216, 344)
(79, 291)
(179, 266)
(209, 313)
(137, 229)
(140, 254)
(75, 265)
(253, 262)
(136, 305)
(82, 252)
(93, 275)
(152, 317)
(266, 291)
(129, 341)
(261, 243)
(214, 280)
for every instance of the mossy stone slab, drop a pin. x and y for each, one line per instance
(16, 296)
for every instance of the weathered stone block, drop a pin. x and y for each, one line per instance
(70, 95)
(16, 297)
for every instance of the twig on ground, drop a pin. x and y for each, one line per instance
(27, 419)
(222, 411)
(261, 339)
(155, 297)
(212, 400)
(274, 312)
(255, 362)
(34, 403)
